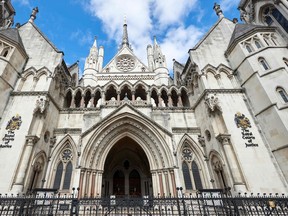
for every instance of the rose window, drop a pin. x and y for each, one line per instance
(125, 63)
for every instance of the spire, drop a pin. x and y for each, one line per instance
(33, 15)
(125, 40)
(218, 10)
(159, 58)
(91, 60)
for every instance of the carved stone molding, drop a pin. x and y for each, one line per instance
(41, 105)
(224, 139)
(212, 102)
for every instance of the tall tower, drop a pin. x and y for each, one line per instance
(7, 13)
(268, 13)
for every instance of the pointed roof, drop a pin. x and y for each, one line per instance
(125, 39)
(12, 34)
(241, 30)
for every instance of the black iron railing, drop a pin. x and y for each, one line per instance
(198, 204)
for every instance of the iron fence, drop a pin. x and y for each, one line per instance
(197, 204)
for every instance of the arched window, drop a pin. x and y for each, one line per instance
(258, 45)
(248, 48)
(285, 62)
(282, 94)
(186, 176)
(263, 63)
(58, 176)
(196, 176)
(62, 179)
(187, 158)
(272, 14)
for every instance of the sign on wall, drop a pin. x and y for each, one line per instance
(243, 122)
(13, 124)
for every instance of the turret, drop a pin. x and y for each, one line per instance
(159, 58)
(6, 14)
(100, 58)
(150, 57)
(91, 60)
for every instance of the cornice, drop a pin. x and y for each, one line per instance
(218, 91)
(190, 130)
(36, 93)
(68, 130)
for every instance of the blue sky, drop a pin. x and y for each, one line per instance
(71, 25)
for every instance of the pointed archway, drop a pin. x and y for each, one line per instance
(126, 170)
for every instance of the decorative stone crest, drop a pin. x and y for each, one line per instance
(125, 63)
(243, 122)
(41, 104)
(212, 102)
(13, 124)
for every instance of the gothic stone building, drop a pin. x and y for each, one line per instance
(128, 128)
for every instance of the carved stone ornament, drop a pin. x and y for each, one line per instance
(41, 104)
(212, 102)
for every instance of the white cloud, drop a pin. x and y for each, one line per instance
(177, 42)
(145, 18)
(24, 2)
(228, 4)
(168, 12)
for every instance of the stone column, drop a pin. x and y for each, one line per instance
(179, 104)
(133, 96)
(72, 105)
(235, 170)
(99, 183)
(173, 182)
(82, 103)
(154, 183)
(23, 166)
(118, 96)
(161, 184)
(148, 97)
(167, 183)
(160, 100)
(52, 143)
(103, 98)
(81, 183)
(87, 183)
(92, 100)
(170, 102)
(204, 81)
(93, 184)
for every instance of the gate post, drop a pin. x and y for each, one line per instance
(74, 207)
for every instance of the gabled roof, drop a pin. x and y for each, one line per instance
(12, 34)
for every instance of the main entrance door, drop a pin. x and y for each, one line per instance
(126, 170)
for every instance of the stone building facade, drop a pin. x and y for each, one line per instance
(127, 128)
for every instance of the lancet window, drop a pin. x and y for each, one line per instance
(64, 168)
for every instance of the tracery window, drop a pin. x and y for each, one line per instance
(63, 174)
(272, 14)
(282, 93)
(190, 168)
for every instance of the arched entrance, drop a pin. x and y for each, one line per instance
(126, 170)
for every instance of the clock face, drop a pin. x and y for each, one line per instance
(125, 63)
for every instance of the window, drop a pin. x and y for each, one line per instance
(263, 63)
(282, 94)
(188, 157)
(272, 14)
(62, 179)
(186, 176)
(196, 176)
(285, 62)
(258, 45)
(248, 48)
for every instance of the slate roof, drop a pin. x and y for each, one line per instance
(242, 29)
(12, 34)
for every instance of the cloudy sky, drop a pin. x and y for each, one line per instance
(72, 24)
